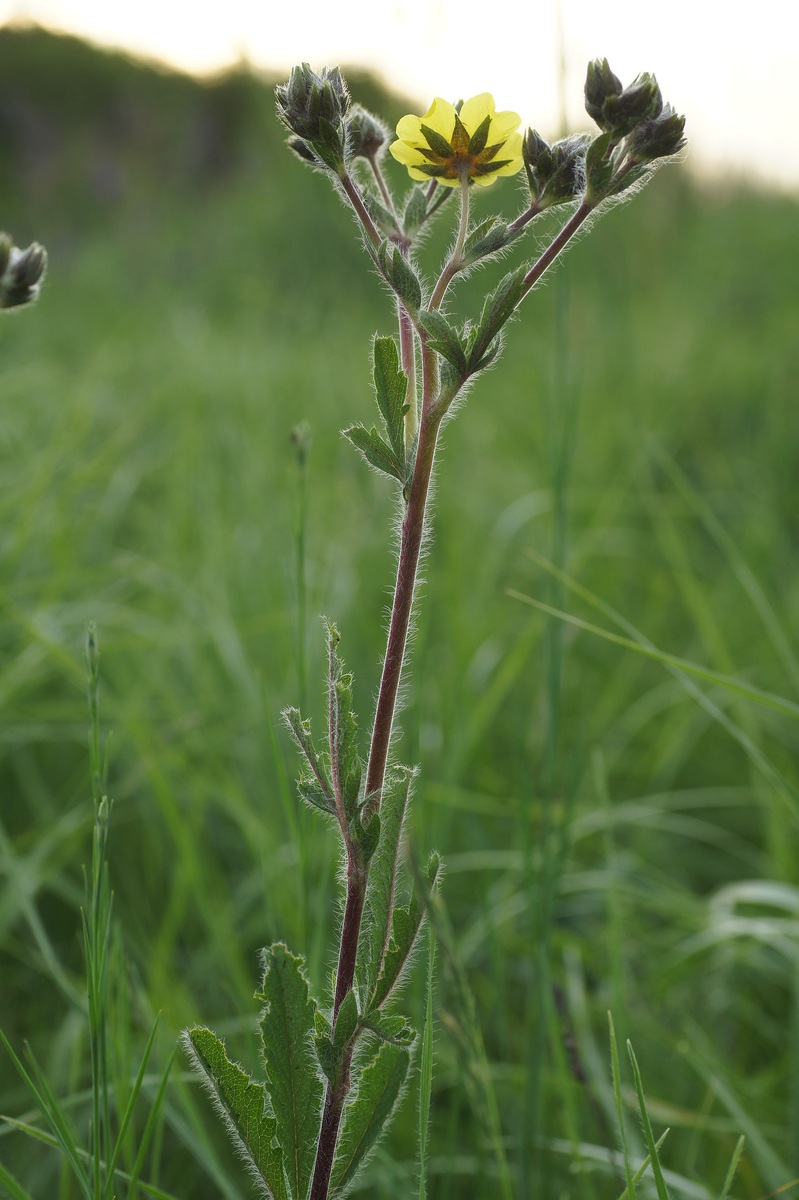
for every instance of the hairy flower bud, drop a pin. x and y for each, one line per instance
(21, 272)
(313, 105)
(367, 136)
(659, 137)
(600, 83)
(555, 174)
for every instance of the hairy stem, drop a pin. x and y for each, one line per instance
(557, 245)
(455, 261)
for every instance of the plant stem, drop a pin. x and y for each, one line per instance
(559, 243)
(455, 261)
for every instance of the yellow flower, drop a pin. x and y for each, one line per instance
(476, 143)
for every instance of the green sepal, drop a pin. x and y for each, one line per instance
(314, 785)
(345, 766)
(373, 1099)
(374, 941)
(401, 275)
(376, 451)
(442, 338)
(391, 390)
(415, 211)
(245, 1108)
(478, 140)
(292, 1080)
(498, 308)
(395, 1029)
(599, 168)
(405, 925)
(437, 143)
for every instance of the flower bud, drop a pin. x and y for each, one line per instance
(600, 84)
(555, 174)
(367, 136)
(659, 137)
(640, 101)
(313, 105)
(21, 272)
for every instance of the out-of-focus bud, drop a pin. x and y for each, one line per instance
(367, 136)
(600, 84)
(21, 272)
(641, 101)
(313, 105)
(555, 174)
(659, 137)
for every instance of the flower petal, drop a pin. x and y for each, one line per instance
(475, 111)
(441, 117)
(503, 124)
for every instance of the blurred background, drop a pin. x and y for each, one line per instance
(618, 835)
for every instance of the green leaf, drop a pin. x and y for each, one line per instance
(373, 943)
(244, 1107)
(401, 275)
(345, 762)
(415, 211)
(487, 238)
(599, 167)
(391, 389)
(382, 218)
(373, 1099)
(367, 836)
(657, 1170)
(376, 451)
(395, 1028)
(442, 338)
(498, 308)
(292, 1081)
(405, 925)
(314, 785)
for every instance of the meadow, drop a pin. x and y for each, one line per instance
(618, 819)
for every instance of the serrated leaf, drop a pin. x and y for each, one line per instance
(376, 451)
(405, 925)
(244, 1105)
(292, 1082)
(395, 1029)
(401, 275)
(373, 943)
(391, 390)
(345, 762)
(498, 308)
(314, 785)
(442, 338)
(374, 1097)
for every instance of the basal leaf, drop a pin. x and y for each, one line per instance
(373, 944)
(391, 389)
(373, 1098)
(292, 1082)
(244, 1107)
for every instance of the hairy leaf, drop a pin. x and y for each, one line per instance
(314, 785)
(381, 889)
(395, 1028)
(244, 1105)
(374, 1097)
(376, 451)
(405, 925)
(292, 1082)
(498, 308)
(442, 338)
(401, 275)
(391, 389)
(345, 762)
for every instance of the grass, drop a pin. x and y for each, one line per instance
(618, 834)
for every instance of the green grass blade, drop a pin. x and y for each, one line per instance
(15, 1189)
(614, 1063)
(426, 1065)
(733, 1167)
(128, 1113)
(150, 1124)
(657, 1170)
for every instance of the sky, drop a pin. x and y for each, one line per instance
(730, 68)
